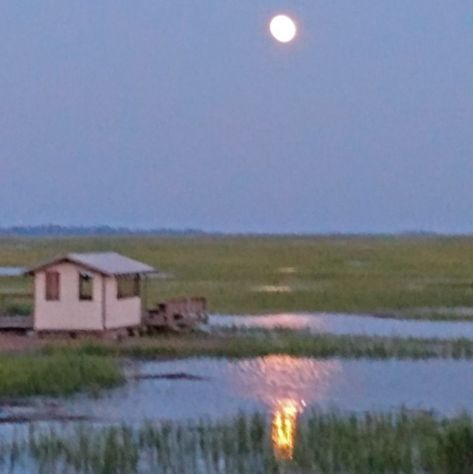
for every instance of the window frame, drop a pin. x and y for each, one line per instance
(85, 276)
(52, 285)
(134, 280)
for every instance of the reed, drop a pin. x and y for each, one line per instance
(257, 343)
(329, 443)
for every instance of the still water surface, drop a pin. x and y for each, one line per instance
(349, 324)
(280, 386)
(220, 388)
(11, 271)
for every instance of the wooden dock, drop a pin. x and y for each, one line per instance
(177, 314)
(16, 323)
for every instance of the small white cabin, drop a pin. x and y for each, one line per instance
(88, 292)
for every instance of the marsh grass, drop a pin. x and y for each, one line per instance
(56, 374)
(62, 369)
(258, 343)
(329, 443)
(332, 273)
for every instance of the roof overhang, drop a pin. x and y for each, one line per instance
(141, 269)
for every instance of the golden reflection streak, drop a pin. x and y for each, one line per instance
(284, 425)
(285, 384)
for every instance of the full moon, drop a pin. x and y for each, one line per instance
(283, 28)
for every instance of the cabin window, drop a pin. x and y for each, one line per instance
(128, 286)
(86, 286)
(52, 286)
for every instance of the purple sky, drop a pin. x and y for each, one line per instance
(187, 114)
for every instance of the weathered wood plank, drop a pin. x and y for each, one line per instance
(16, 322)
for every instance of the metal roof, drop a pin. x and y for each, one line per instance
(106, 263)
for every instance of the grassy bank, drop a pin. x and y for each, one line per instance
(267, 274)
(62, 369)
(56, 374)
(317, 443)
(261, 343)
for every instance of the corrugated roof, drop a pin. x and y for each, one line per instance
(107, 263)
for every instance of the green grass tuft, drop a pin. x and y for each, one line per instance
(56, 374)
(19, 309)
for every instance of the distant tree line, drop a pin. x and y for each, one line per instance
(50, 230)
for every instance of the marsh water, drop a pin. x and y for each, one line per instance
(216, 388)
(11, 271)
(206, 387)
(280, 386)
(348, 324)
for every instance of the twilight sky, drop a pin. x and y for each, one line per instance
(186, 113)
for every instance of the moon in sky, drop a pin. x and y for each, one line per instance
(283, 28)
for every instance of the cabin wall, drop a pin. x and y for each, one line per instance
(69, 313)
(123, 312)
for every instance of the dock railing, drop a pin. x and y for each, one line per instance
(177, 313)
